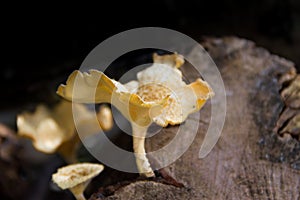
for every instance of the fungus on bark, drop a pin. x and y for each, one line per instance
(159, 95)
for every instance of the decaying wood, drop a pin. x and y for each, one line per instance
(258, 154)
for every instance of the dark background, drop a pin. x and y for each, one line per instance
(42, 44)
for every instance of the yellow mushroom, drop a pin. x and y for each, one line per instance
(76, 177)
(159, 95)
(105, 117)
(54, 130)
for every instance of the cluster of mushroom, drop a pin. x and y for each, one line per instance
(53, 130)
(158, 95)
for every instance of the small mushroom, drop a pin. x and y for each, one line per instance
(159, 95)
(54, 130)
(105, 117)
(76, 177)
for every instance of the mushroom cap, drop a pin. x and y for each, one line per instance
(164, 79)
(105, 116)
(75, 174)
(96, 87)
(50, 128)
(47, 128)
(159, 94)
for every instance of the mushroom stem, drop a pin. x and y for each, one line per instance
(69, 148)
(143, 165)
(80, 197)
(78, 190)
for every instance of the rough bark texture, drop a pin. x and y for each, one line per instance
(258, 154)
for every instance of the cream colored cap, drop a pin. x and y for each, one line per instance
(75, 174)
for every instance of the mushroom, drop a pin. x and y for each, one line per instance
(54, 130)
(76, 177)
(159, 95)
(105, 117)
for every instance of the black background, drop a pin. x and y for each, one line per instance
(43, 43)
